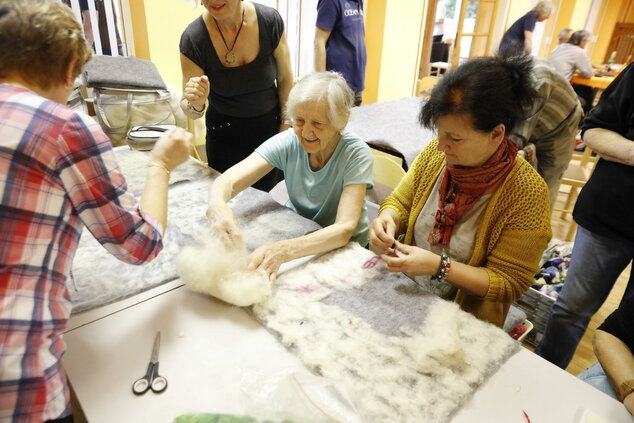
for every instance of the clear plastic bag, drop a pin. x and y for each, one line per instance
(292, 396)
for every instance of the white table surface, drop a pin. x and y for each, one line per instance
(206, 345)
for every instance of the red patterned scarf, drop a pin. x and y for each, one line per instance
(461, 187)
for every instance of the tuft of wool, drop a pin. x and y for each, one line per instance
(438, 347)
(208, 267)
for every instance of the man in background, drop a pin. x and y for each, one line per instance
(564, 35)
(518, 39)
(340, 42)
(570, 58)
(552, 125)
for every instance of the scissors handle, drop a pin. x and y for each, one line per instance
(151, 380)
(158, 383)
(141, 385)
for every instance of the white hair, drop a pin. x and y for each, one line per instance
(543, 8)
(564, 33)
(328, 87)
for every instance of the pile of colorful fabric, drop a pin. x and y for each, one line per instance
(554, 268)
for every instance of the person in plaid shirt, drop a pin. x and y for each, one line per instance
(58, 173)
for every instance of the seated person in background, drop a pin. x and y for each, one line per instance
(564, 35)
(570, 58)
(58, 174)
(551, 125)
(475, 215)
(613, 345)
(326, 174)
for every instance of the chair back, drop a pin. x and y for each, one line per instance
(576, 175)
(387, 175)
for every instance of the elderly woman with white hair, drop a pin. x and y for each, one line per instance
(518, 39)
(326, 171)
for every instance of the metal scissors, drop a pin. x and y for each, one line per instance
(151, 380)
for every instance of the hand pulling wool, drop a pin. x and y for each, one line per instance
(208, 267)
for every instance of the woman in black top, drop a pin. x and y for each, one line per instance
(236, 55)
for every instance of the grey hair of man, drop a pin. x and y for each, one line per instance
(578, 36)
(328, 87)
(564, 35)
(543, 8)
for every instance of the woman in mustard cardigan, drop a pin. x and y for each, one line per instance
(474, 215)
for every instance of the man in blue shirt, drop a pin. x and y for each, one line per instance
(340, 42)
(518, 39)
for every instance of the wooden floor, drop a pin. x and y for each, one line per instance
(584, 356)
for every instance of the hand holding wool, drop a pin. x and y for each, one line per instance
(210, 268)
(269, 257)
(224, 226)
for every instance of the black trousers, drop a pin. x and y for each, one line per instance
(231, 139)
(586, 94)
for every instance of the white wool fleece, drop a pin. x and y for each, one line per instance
(210, 268)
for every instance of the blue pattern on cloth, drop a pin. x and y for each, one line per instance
(554, 268)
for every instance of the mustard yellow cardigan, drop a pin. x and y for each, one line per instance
(512, 236)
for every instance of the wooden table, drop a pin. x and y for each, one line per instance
(600, 82)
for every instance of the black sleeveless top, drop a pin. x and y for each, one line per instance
(244, 91)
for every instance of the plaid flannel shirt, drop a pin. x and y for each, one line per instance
(58, 173)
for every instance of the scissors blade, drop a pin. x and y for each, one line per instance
(155, 349)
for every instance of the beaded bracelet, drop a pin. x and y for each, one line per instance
(443, 268)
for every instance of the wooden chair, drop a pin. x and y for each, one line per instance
(577, 174)
(387, 175)
(436, 67)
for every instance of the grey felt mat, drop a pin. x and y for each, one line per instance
(98, 278)
(393, 123)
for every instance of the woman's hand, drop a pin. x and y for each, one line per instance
(382, 230)
(413, 261)
(172, 148)
(196, 91)
(268, 258)
(224, 225)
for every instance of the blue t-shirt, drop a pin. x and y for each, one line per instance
(315, 194)
(513, 41)
(345, 48)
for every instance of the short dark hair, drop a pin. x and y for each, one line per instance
(493, 90)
